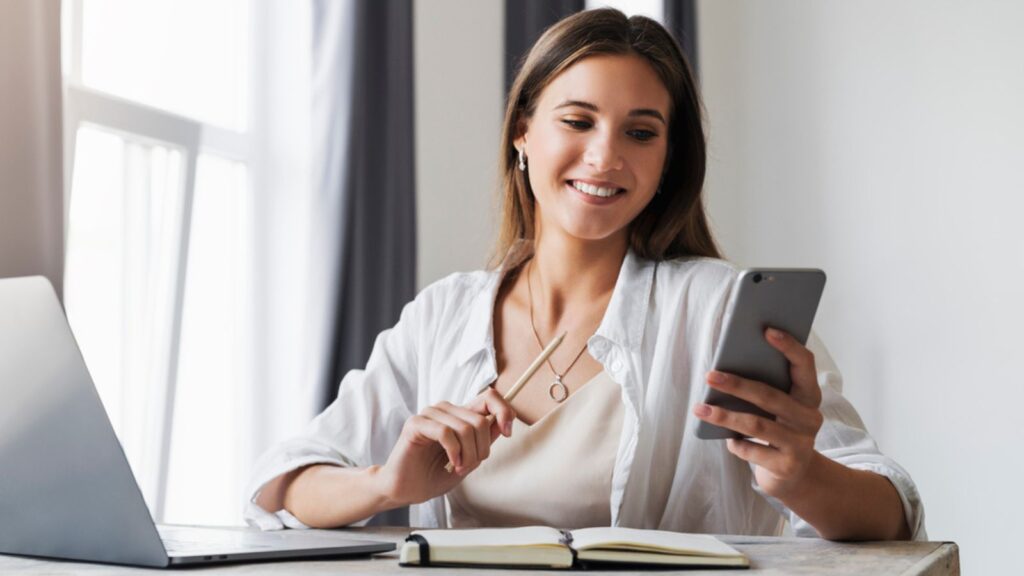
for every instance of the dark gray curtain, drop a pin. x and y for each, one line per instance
(363, 162)
(681, 21)
(525, 20)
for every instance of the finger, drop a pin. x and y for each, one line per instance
(502, 409)
(802, 369)
(787, 409)
(481, 425)
(492, 402)
(764, 456)
(463, 430)
(428, 431)
(465, 424)
(751, 425)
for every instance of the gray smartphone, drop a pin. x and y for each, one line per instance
(782, 298)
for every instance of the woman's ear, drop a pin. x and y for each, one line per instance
(520, 143)
(520, 140)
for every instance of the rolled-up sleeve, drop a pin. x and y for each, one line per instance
(361, 425)
(844, 438)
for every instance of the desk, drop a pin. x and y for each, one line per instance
(775, 556)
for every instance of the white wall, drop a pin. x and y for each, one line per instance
(459, 106)
(31, 186)
(884, 142)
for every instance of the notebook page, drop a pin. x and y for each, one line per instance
(651, 540)
(525, 536)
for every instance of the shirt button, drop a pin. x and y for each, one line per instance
(616, 365)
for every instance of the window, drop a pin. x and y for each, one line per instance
(161, 141)
(185, 56)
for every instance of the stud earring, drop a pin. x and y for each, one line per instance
(522, 161)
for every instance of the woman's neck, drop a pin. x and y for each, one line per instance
(571, 276)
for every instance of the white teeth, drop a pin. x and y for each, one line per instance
(594, 190)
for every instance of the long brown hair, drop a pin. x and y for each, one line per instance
(673, 224)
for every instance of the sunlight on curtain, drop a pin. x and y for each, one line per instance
(122, 244)
(213, 400)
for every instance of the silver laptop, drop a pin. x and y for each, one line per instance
(66, 490)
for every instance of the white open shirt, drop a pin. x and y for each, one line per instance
(656, 340)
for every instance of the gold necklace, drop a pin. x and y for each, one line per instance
(558, 390)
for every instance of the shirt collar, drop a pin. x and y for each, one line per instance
(478, 334)
(623, 321)
(626, 316)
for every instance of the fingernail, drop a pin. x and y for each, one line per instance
(702, 410)
(716, 377)
(774, 334)
(508, 428)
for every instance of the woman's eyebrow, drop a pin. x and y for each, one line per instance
(593, 108)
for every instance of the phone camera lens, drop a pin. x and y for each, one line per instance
(757, 278)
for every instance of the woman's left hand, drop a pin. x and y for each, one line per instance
(784, 463)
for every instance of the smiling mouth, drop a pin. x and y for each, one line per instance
(592, 190)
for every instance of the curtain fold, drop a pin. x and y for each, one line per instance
(31, 171)
(364, 179)
(525, 21)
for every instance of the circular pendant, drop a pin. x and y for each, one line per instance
(558, 391)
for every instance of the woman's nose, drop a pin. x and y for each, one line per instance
(601, 154)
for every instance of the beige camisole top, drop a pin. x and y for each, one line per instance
(557, 472)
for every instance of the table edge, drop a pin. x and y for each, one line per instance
(942, 561)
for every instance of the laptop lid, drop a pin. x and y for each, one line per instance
(66, 489)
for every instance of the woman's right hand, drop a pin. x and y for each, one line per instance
(415, 470)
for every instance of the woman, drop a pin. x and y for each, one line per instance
(604, 238)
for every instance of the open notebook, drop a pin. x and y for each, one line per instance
(540, 546)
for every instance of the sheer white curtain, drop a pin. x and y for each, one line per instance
(334, 67)
(294, 235)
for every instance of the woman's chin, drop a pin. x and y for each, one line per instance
(587, 231)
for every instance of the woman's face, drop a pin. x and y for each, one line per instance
(596, 146)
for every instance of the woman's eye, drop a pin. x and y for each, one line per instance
(642, 135)
(577, 124)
